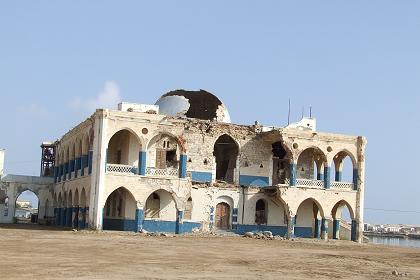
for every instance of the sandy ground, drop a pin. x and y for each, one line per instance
(29, 252)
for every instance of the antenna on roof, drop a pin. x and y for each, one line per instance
(288, 116)
(310, 112)
(303, 111)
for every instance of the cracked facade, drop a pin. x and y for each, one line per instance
(181, 164)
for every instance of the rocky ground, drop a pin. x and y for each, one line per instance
(30, 252)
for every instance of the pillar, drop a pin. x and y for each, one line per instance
(211, 225)
(291, 227)
(317, 233)
(336, 229)
(57, 216)
(355, 178)
(293, 174)
(327, 180)
(338, 176)
(324, 229)
(75, 220)
(354, 229)
(179, 222)
(235, 213)
(183, 166)
(142, 163)
(87, 217)
(63, 217)
(69, 217)
(90, 161)
(139, 220)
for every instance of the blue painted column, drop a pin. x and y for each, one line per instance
(63, 217)
(324, 228)
(183, 166)
(336, 229)
(293, 174)
(72, 165)
(65, 171)
(338, 176)
(317, 233)
(82, 223)
(69, 217)
(90, 161)
(139, 220)
(354, 230)
(179, 222)
(355, 179)
(211, 218)
(76, 166)
(327, 179)
(235, 213)
(142, 163)
(59, 173)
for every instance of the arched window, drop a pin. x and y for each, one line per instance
(260, 212)
(226, 154)
(188, 209)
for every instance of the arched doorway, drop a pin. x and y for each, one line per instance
(344, 168)
(26, 207)
(222, 219)
(261, 212)
(120, 211)
(160, 212)
(163, 156)
(343, 226)
(309, 219)
(226, 153)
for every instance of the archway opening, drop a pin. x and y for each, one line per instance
(261, 212)
(281, 169)
(160, 212)
(123, 148)
(163, 154)
(222, 218)
(310, 165)
(343, 168)
(343, 216)
(308, 219)
(26, 208)
(120, 211)
(226, 153)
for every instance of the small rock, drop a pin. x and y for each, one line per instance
(249, 234)
(395, 273)
(74, 230)
(144, 231)
(268, 234)
(195, 230)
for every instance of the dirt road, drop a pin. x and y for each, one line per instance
(45, 253)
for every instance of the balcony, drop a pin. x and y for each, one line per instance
(319, 184)
(167, 172)
(150, 171)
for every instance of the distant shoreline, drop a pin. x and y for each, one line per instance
(391, 235)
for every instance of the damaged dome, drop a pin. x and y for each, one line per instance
(193, 104)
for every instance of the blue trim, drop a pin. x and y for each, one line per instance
(142, 163)
(202, 177)
(293, 174)
(179, 221)
(139, 219)
(188, 227)
(276, 230)
(327, 175)
(303, 232)
(249, 180)
(183, 166)
(159, 226)
(338, 176)
(119, 224)
(336, 229)
(90, 161)
(355, 179)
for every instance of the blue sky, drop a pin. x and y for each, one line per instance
(357, 63)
